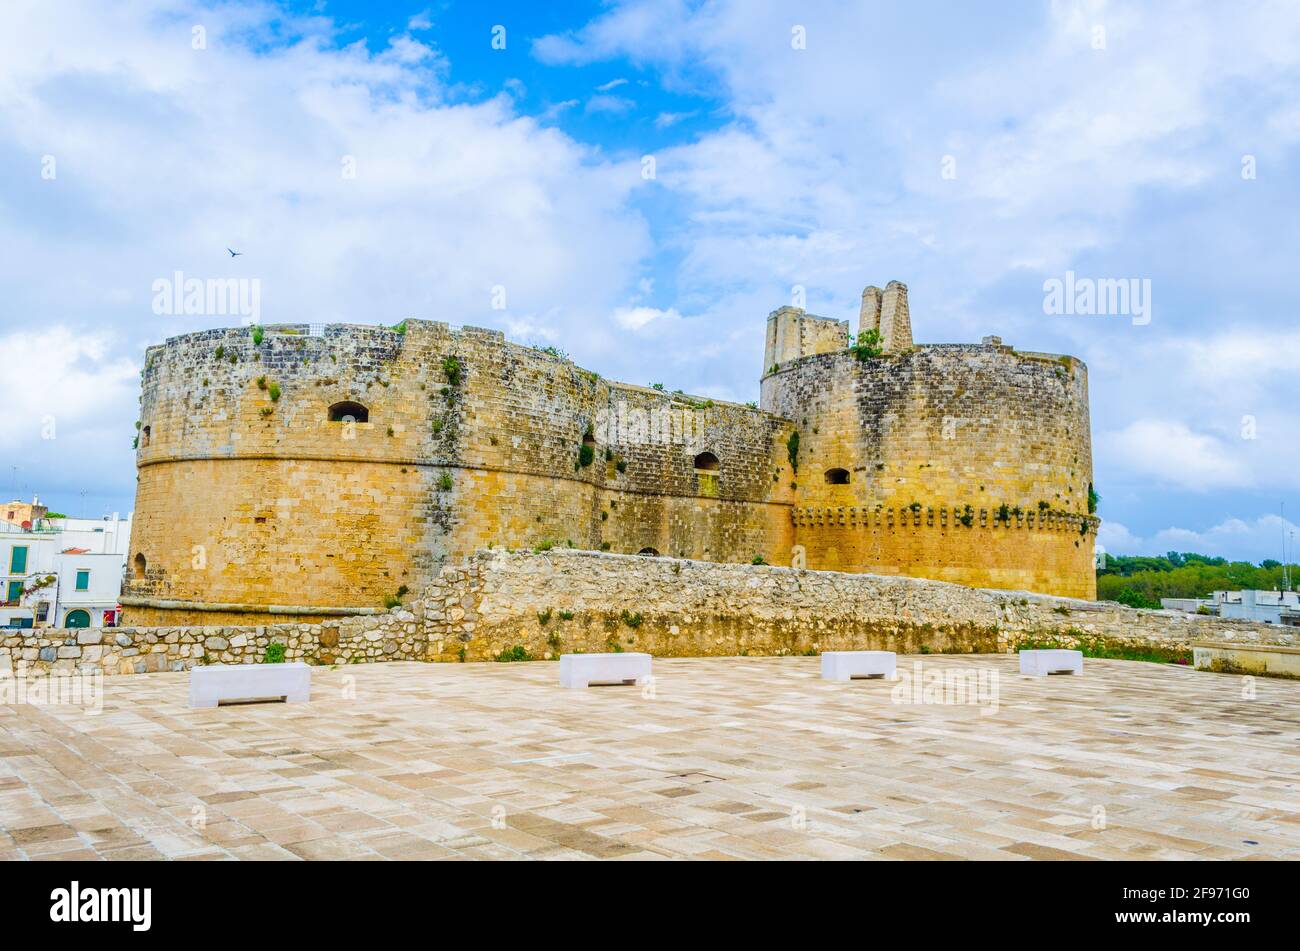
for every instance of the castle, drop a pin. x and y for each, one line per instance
(305, 471)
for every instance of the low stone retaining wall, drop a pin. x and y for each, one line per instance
(540, 605)
(563, 601)
(397, 635)
(1268, 660)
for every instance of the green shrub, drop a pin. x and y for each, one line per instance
(792, 450)
(868, 345)
(452, 370)
(1133, 598)
(513, 655)
(274, 654)
(444, 482)
(273, 391)
(544, 617)
(257, 335)
(758, 560)
(632, 620)
(1093, 499)
(586, 455)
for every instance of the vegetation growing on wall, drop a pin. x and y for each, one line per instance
(867, 345)
(451, 368)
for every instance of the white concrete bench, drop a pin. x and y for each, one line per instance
(581, 670)
(846, 665)
(1040, 663)
(215, 683)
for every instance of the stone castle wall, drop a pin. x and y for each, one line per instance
(936, 440)
(570, 601)
(250, 497)
(963, 463)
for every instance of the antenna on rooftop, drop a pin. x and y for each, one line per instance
(1286, 570)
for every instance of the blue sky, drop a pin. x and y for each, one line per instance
(970, 153)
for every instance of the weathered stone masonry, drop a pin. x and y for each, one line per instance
(567, 601)
(284, 475)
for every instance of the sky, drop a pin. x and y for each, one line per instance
(646, 181)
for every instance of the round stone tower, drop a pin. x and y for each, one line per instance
(283, 474)
(964, 463)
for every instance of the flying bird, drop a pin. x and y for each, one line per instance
(234, 254)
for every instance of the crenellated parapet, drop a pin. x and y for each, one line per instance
(943, 517)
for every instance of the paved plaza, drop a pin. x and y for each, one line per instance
(732, 758)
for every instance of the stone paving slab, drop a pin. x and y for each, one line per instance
(731, 758)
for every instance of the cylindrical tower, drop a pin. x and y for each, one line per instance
(283, 474)
(963, 463)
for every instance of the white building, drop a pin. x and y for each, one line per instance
(1267, 607)
(1270, 607)
(63, 572)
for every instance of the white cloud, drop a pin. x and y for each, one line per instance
(666, 120)
(168, 154)
(1237, 539)
(1169, 453)
(612, 105)
(644, 30)
(1116, 539)
(636, 318)
(70, 407)
(828, 175)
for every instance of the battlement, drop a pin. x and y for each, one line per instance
(943, 517)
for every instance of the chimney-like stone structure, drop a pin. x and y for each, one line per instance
(887, 312)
